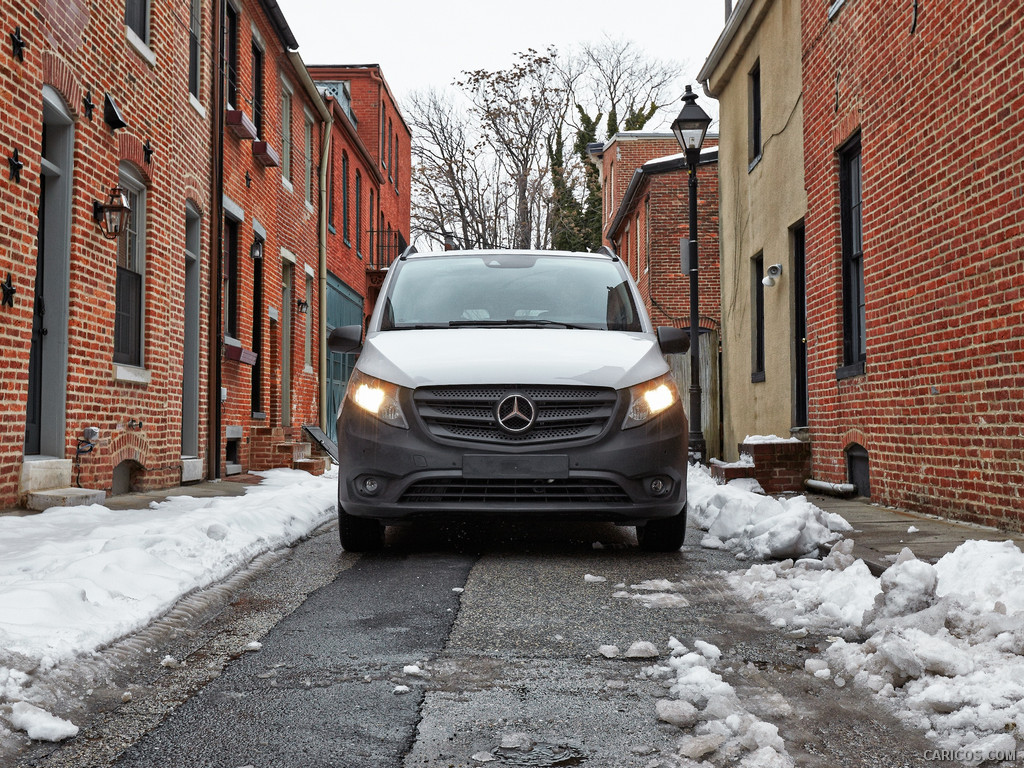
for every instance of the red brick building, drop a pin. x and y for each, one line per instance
(190, 343)
(270, 207)
(915, 229)
(102, 338)
(368, 216)
(645, 218)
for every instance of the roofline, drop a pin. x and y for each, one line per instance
(341, 118)
(714, 59)
(369, 70)
(655, 167)
(284, 32)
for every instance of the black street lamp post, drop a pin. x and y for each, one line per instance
(690, 127)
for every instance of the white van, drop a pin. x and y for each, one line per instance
(498, 383)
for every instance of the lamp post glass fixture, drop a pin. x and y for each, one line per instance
(690, 128)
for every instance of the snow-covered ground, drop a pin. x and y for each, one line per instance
(75, 579)
(944, 643)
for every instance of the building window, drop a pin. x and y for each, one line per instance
(757, 318)
(383, 137)
(391, 149)
(396, 163)
(286, 132)
(194, 31)
(330, 194)
(373, 232)
(131, 260)
(136, 18)
(257, 89)
(647, 235)
(854, 314)
(308, 298)
(307, 184)
(754, 114)
(359, 214)
(344, 196)
(231, 41)
(230, 295)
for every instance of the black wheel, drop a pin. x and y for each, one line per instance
(359, 534)
(665, 534)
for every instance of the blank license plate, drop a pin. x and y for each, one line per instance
(483, 466)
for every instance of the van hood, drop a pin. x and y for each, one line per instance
(420, 358)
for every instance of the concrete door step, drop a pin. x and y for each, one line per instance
(64, 497)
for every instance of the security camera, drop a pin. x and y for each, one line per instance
(91, 434)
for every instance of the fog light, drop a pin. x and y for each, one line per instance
(659, 486)
(369, 486)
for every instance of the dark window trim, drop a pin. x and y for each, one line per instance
(258, 77)
(344, 197)
(757, 357)
(231, 52)
(851, 199)
(754, 136)
(194, 32)
(136, 18)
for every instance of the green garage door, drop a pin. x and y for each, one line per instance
(344, 307)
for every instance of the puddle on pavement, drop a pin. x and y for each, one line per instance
(540, 755)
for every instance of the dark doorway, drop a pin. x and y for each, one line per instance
(800, 406)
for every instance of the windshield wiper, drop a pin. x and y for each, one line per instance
(522, 321)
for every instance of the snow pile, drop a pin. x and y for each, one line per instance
(943, 643)
(759, 527)
(708, 708)
(75, 579)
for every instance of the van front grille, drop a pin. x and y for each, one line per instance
(468, 413)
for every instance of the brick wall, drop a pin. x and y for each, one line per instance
(78, 49)
(657, 220)
(936, 102)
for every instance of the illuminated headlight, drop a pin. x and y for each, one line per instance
(376, 397)
(649, 399)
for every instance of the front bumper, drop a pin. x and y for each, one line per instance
(623, 476)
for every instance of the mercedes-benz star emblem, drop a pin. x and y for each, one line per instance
(516, 413)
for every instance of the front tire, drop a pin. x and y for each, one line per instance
(359, 534)
(664, 534)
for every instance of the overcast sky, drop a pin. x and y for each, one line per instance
(422, 43)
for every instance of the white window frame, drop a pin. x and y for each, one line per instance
(287, 102)
(135, 240)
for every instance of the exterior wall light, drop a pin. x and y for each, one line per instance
(112, 216)
(256, 250)
(303, 306)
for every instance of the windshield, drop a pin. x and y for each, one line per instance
(511, 289)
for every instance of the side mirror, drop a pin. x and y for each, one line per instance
(673, 340)
(346, 338)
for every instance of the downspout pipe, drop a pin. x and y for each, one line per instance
(214, 405)
(832, 489)
(325, 164)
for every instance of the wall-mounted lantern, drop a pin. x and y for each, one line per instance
(112, 215)
(256, 250)
(303, 306)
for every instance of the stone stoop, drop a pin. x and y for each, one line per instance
(277, 447)
(46, 482)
